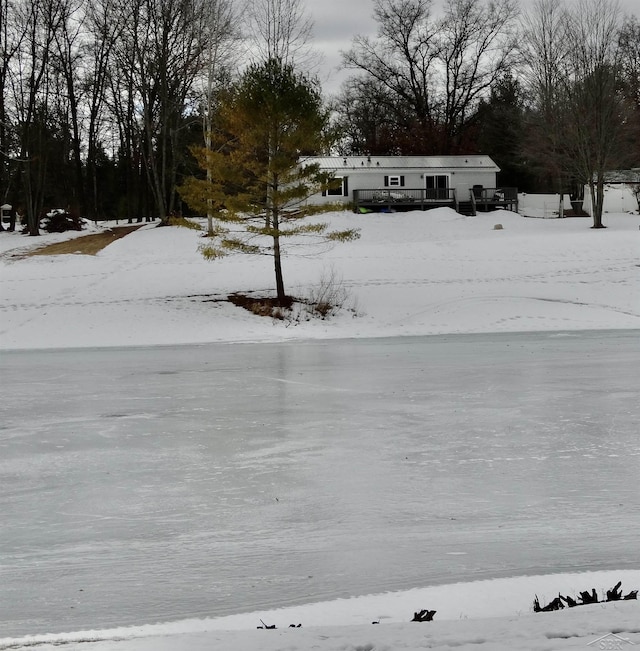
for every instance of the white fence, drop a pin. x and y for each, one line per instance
(544, 206)
(618, 198)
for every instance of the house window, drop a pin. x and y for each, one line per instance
(339, 187)
(394, 181)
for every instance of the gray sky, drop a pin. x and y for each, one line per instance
(336, 22)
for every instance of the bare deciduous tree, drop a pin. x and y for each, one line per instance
(11, 37)
(67, 59)
(281, 30)
(476, 48)
(222, 39)
(544, 48)
(31, 86)
(579, 117)
(369, 119)
(596, 129)
(439, 67)
(402, 59)
(103, 25)
(158, 59)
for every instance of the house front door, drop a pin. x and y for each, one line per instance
(436, 187)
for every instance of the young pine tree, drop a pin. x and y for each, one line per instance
(256, 181)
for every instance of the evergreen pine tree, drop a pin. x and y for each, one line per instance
(257, 181)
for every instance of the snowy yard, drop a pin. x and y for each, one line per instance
(410, 274)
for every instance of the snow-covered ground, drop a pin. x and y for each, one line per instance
(486, 619)
(409, 274)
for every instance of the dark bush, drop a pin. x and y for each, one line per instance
(59, 221)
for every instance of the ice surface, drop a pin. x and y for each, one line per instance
(151, 484)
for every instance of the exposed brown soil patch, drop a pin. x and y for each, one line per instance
(85, 245)
(262, 305)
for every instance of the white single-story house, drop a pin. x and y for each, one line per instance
(389, 183)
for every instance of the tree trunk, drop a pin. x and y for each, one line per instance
(561, 205)
(277, 262)
(209, 147)
(597, 202)
(32, 207)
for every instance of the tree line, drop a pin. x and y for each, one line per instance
(102, 102)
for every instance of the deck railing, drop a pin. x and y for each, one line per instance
(479, 199)
(494, 197)
(405, 196)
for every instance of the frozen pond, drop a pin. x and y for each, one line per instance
(152, 484)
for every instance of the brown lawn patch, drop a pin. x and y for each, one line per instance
(262, 305)
(85, 245)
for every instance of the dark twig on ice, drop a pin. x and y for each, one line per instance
(423, 616)
(267, 626)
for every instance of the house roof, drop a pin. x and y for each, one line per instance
(622, 176)
(474, 162)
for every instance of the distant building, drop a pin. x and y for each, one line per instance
(399, 183)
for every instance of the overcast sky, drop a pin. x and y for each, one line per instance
(336, 22)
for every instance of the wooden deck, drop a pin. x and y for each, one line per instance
(405, 199)
(486, 199)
